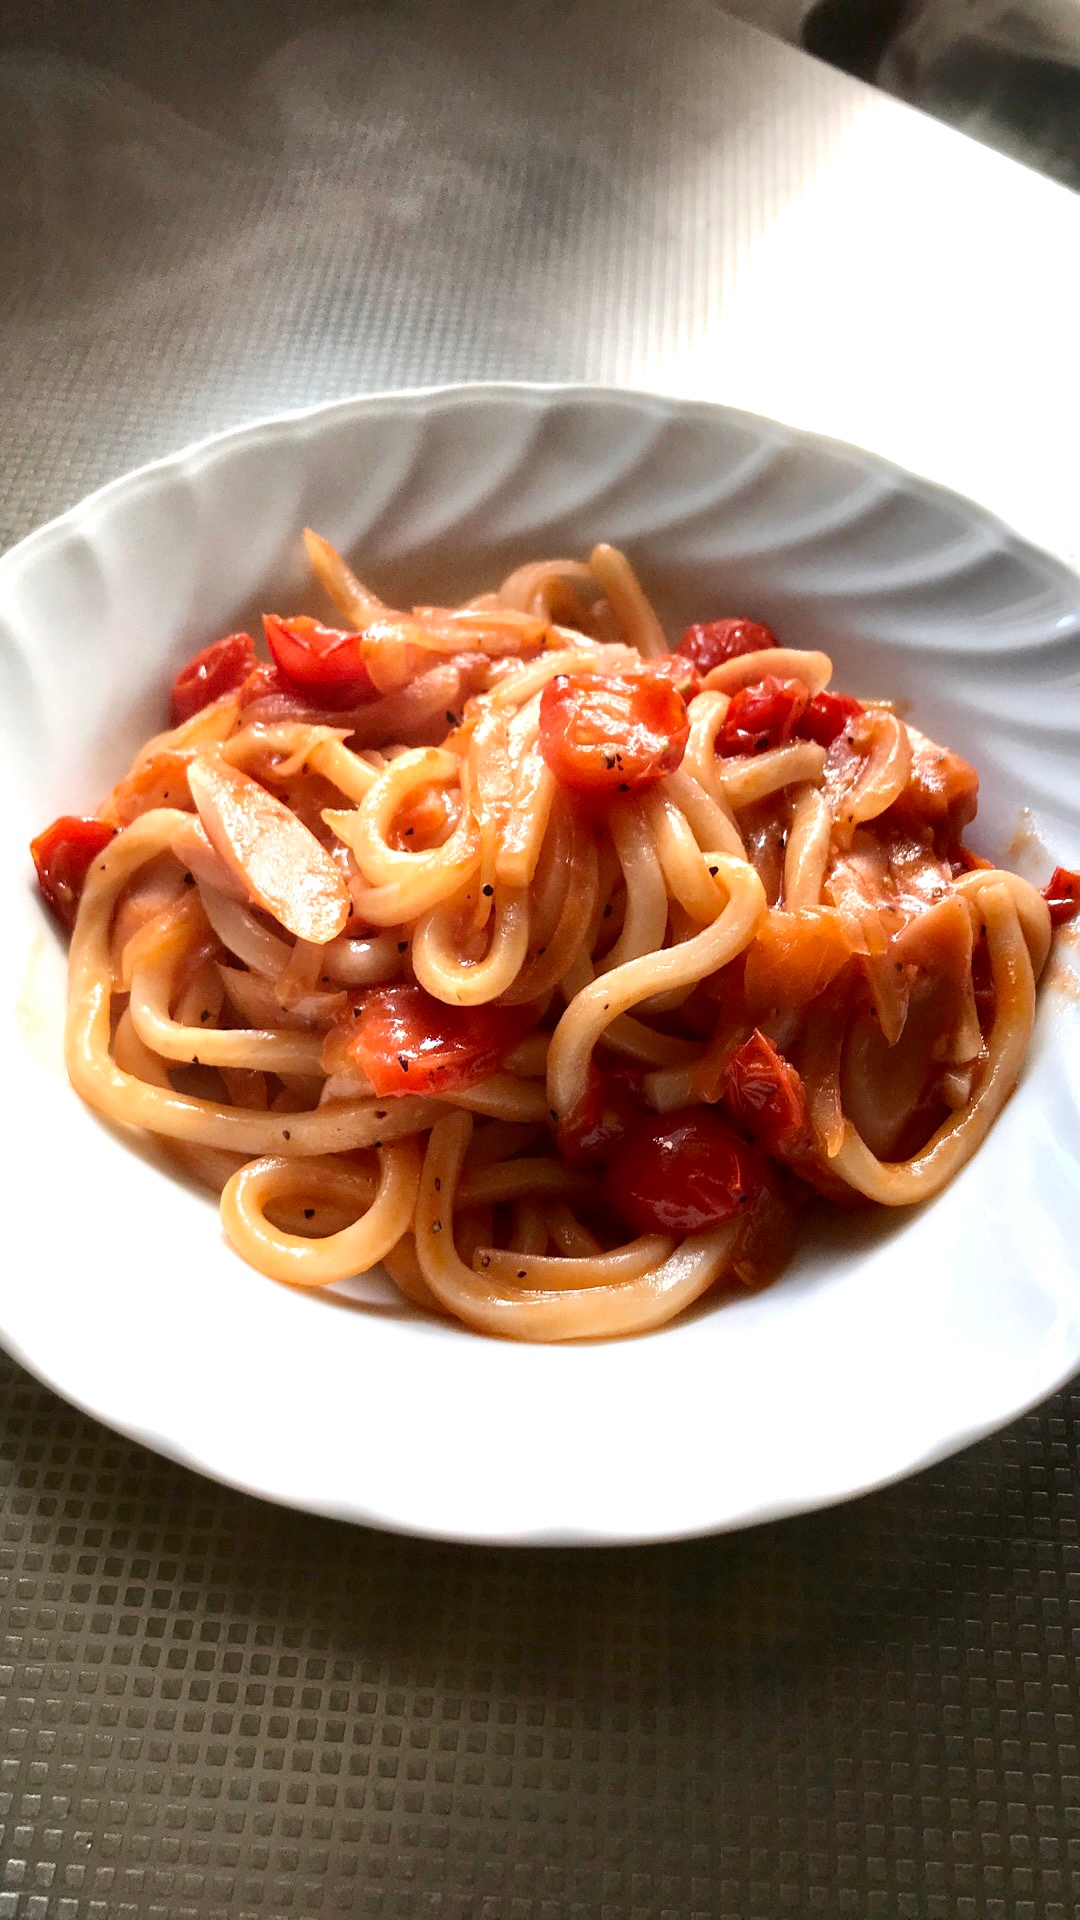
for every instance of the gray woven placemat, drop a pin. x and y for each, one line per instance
(209, 1707)
(217, 1708)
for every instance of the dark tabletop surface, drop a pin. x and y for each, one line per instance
(211, 1707)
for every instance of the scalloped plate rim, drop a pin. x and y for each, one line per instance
(206, 445)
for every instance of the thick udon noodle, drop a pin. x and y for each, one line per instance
(194, 1015)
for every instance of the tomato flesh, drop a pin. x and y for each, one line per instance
(322, 662)
(682, 1173)
(765, 1096)
(762, 716)
(63, 856)
(1062, 896)
(942, 792)
(208, 675)
(611, 1103)
(406, 1041)
(711, 642)
(826, 715)
(608, 734)
(682, 673)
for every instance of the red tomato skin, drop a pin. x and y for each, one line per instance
(323, 663)
(63, 856)
(709, 643)
(217, 670)
(762, 716)
(765, 1097)
(1062, 896)
(826, 715)
(612, 1102)
(682, 1173)
(408, 1042)
(609, 734)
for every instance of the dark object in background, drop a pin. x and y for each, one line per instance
(1008, 75)
(852, 34)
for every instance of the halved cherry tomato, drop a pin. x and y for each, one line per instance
(319, 661)
(712, 642)
(611, 1103)
(219, 669)
(765, 1096)
(406, 1041)
(1062, 896)
(762, 716)
(63, 856)
(826, 715)
(682, 1172)
(611, 734)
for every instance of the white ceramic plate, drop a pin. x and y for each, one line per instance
(889, 1343)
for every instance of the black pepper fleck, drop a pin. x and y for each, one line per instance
(380, 1113)
(403, 946)
(438, 1184)
(189, 879)
(608, 911)
(624, 786)
(714, 871)
(523, 1273)
(403, 1062)
(487, 890)
(286, 1135)
(309, 1213)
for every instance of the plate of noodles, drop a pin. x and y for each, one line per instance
(520, 1032)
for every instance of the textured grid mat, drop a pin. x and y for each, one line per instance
(212, 1707)
(215, 208)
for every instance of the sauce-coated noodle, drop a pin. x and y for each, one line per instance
(508, 948)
